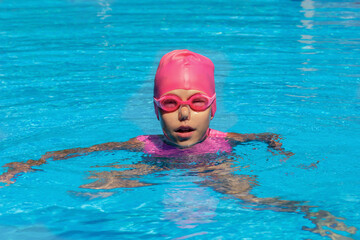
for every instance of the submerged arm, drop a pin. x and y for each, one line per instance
(15, 168)
(222, 179)
(272, 139)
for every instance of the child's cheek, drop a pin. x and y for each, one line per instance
(168, 120)
(201, 118)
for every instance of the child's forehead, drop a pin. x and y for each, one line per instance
(184, 93)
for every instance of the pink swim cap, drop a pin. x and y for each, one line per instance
(183, 69)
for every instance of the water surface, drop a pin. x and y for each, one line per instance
(78, 73)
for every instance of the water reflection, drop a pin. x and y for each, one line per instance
(105, 9)
(308, 9)
(188, 206)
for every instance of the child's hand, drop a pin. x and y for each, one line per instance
(14, 169)
(272, 139)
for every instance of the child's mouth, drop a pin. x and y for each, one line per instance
(184, 131)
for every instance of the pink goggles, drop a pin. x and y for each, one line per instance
(197, 102)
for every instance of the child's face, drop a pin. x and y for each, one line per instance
(185, 127)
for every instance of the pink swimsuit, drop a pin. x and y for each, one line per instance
(215, 142)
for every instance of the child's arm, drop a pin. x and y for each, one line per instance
(272, 139)
(222, 179)
(15, 168)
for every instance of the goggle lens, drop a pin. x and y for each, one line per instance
(170, 104)
(199, 103)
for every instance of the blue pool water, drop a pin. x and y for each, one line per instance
(74, 73)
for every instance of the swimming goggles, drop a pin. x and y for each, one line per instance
(197, 102)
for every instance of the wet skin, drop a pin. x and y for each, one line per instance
(197, 123)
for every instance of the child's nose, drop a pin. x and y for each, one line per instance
(184, 113)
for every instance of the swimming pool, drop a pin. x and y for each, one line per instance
(77, 73)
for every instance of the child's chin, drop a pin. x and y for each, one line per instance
(186, 143)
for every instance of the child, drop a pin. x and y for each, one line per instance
(185, 103)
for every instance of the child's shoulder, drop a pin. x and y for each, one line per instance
(216, 133)
(145, 138)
